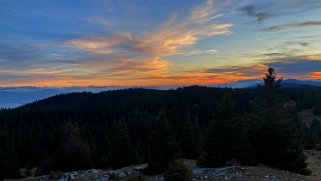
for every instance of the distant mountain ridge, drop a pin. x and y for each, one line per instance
(295, 82)
(11, 97)
(292, 83)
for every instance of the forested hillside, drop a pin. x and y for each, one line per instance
(117, 128)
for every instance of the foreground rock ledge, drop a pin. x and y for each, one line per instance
(239, 173)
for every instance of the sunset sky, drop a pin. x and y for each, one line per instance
(156, 42)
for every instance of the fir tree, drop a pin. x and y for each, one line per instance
(122, 153)
(9, 162)
(198, 135)
(163, 147)
(315, 133)
(278, 141)
(188, 142)
(73, 153)
(227, 137)
(317, 108)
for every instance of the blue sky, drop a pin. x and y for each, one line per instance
(159, 42)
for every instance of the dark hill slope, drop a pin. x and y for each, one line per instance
(97, 114)
(36, 126)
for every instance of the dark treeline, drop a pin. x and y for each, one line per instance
(114, 129)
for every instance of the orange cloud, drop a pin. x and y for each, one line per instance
(125, 58)
(152, 72)
(199, 78)
(166, 40)
(314, 75)
(133, 77)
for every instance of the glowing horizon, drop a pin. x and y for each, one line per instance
(157, 43)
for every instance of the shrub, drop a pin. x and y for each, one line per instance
(178, 171)
(306, 172)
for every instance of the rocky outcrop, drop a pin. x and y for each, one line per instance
(93, 174)
(239, 173)
(248, 173)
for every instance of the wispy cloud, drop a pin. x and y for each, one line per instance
(292, 26)
(165, 40)
(301, 67)
(266, 10)
(126, 54)
(199, 52)
(111, 56)
(176, 47)
(296, 65)
(246, 70)
(252, 11)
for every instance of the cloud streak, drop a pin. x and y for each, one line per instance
(263, 11)
(166, 40)
(252, 11)
(252, 70)
(314, 76)
(300, 67)
(166, 47)
(292, 26)
(127, 55)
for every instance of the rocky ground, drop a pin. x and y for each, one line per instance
(240, 173)
(123, 174)
(314, 163)
(237, 173)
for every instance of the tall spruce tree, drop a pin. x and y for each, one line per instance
(227, 137)
(122, 152)
(198, 135)
(9, 162)
(277, 139)
(317, 108)
(314, 134)
(188, 140)
(73, 153)
(163, 148)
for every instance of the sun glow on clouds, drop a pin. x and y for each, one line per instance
(314, 75)
(185, 47)
(144, 56)
(166, 40)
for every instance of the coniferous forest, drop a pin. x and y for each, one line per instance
(115, 129)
